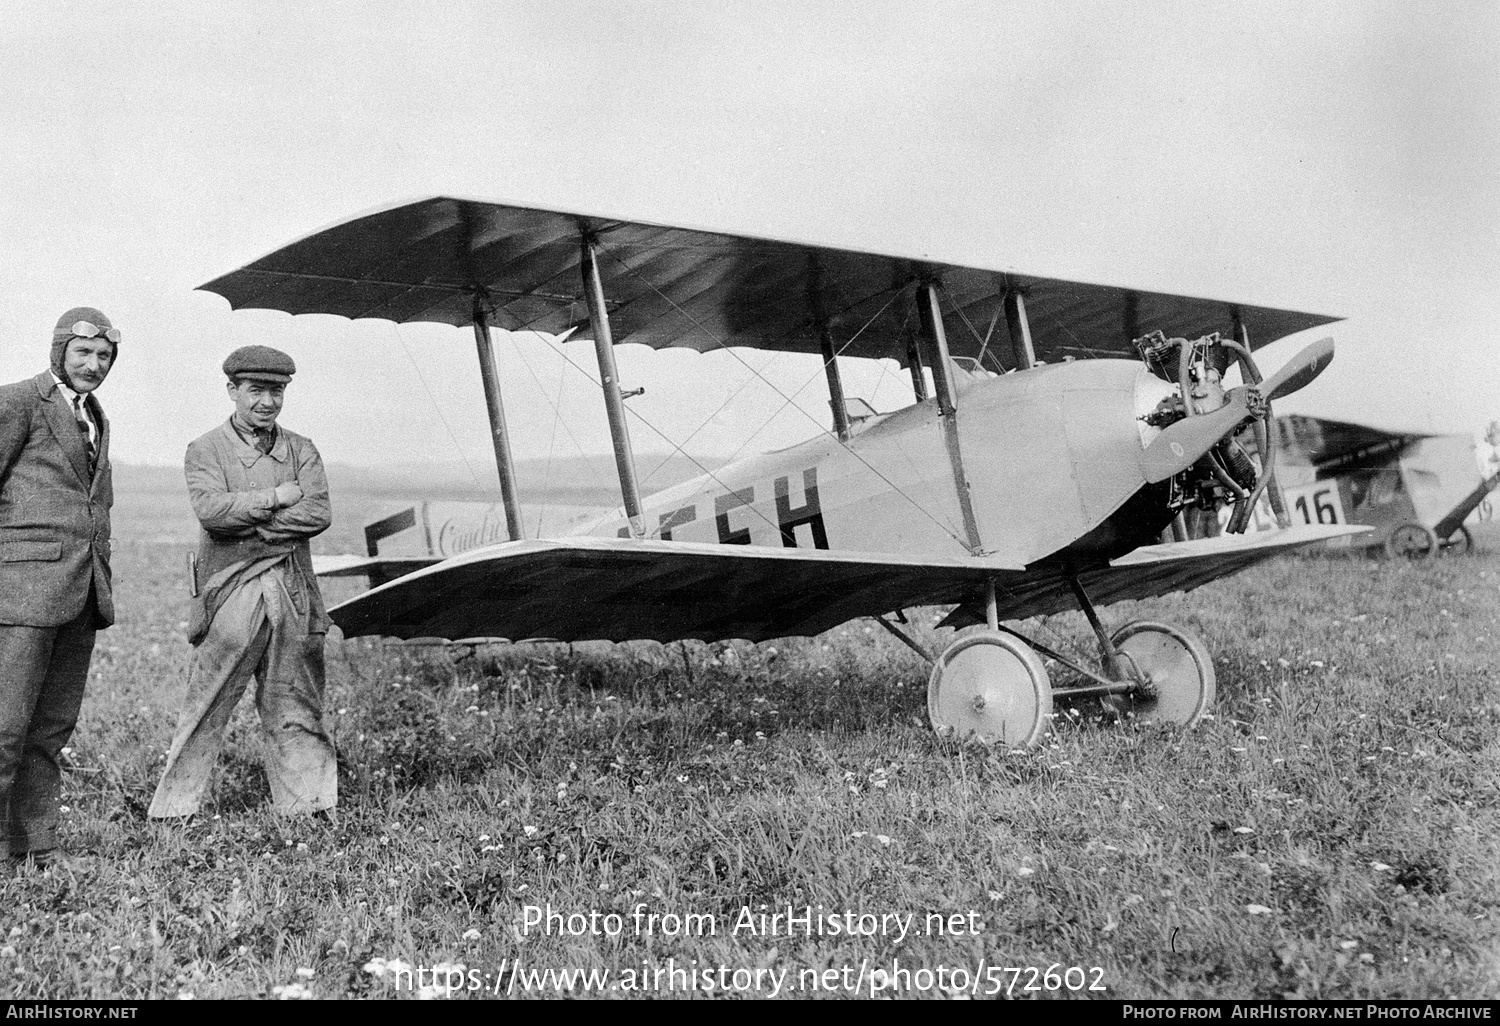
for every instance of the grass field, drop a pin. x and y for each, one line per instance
(1333, 831)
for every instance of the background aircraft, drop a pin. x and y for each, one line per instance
(1066, 424)
(1414, 489)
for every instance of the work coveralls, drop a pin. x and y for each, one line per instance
(259, 613)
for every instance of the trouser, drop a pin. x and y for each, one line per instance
(42, 674)
(258, 631)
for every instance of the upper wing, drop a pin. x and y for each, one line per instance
(619, 589)
(1331, 444)
(669, 286)
(1148, 572)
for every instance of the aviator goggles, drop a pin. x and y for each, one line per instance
(83, 329)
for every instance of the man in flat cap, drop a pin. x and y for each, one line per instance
(55, 496)
(260, 493)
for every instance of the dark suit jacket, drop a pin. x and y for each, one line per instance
(54, 513)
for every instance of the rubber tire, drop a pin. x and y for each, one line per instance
(1411, 541)
(992, 687)
(1177, 665)
(1459, 543)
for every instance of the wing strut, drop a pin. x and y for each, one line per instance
(835, 386)
(914, 362)
(942, 380)
(498, 433)
(609, 380)
(1020, 329)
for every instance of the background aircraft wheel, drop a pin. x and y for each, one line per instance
(1177, 667)
(1412, 541)
(1459, 543)
(992, 686)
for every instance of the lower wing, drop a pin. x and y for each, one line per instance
(1147, 572)
(621, 589)
(616, 589)
(377, 568)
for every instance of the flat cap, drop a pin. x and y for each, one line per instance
(260, 363)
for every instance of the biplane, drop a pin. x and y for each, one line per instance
(1414, 489)
(1056, 429)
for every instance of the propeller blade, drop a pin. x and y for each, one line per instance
(1182, 444)
(1300, 370)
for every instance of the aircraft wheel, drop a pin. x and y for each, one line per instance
(993, 687)
(1177, 669)
(1412, 541)
(1459, 543)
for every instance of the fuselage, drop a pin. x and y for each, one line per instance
(1047, 456)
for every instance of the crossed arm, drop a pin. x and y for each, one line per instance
(295, 509)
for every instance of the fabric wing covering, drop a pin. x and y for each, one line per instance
(621, 589)
(1149, 571)
(1318, 442)
(667, 286)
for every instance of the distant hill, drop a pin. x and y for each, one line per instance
(575, 480)
(151, 501)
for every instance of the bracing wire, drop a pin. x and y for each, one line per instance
(721, 408)
(792, 399)
(557, 418)
(984, 343)
(1041, 622)
(651, 427)
(789, 400)
(437, 406)
(562, 383)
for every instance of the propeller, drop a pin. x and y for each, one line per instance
(1300, 370)
(1183, 443)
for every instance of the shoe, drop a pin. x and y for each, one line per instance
(30, 861)
(50, 860)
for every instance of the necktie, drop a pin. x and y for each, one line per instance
(265, 441)
(85, 426)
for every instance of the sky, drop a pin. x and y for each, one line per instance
(1338, 158)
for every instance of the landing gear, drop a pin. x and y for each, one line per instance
(991, 686)
(1459, 543)
(1412, 541)
(1174, 670)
